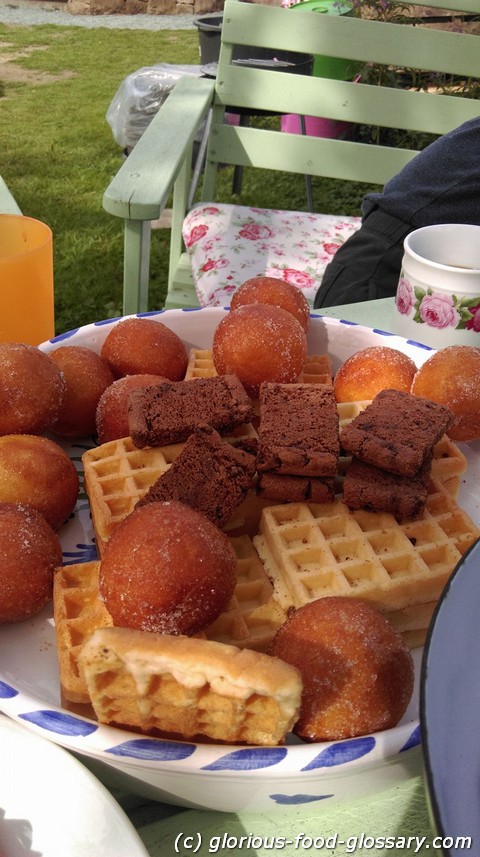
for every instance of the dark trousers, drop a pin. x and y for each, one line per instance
(368, 265)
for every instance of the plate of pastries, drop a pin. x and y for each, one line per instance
(224, 534)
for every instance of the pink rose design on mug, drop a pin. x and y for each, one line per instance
(474, 322)
(438, 310)
(405, 297)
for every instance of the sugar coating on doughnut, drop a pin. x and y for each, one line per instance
(31, 390)
(276, 292)
(143, 346)
(451, 377)
(87, 376)
(111, 417)
(356, 669)
(168, 569)
(259, 343)
(37, 471)
(370, 370)
(29, 552)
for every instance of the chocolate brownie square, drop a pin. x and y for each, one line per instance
(368, 487)
(396, 432)
(210, 475)
(169, 412)
(298, 433)
(296, 489)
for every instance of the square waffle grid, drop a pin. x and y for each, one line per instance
(118, 475)
(312, 551)
(77, 611)
(250, 620)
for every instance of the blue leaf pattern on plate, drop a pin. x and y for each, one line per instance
(413, 741)
(248, 760)
(7, 691)
(339, 754)
(107, 321)
(84, 553)
(60, 723)
(62, 336)
(292, 800)
(157, 751)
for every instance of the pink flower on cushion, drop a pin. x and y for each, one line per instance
(405, 297)
(195, 234)
(210, 209)
(331, 248)
(438, 310)
(298, 278)
(474, 322)
(253, 231)
(214, 264)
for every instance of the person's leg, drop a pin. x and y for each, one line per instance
(368, 265)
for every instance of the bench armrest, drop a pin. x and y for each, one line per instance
(144, 182)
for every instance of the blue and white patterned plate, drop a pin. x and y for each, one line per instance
(210, 776)
(451, 734)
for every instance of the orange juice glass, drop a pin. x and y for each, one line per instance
(26, 280)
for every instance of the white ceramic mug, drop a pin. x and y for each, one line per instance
(438, 293)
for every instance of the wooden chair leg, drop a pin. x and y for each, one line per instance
(136, 266)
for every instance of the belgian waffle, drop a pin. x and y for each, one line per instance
(250, 620)
(311, 551)
(77, 611)
(317, 368)
(117, 475)
(181, 685)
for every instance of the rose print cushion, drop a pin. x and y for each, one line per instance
(228, 244)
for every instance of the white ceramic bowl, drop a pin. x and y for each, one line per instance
(296, 777)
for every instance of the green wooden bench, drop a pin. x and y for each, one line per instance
(161, 162)
(8, 205)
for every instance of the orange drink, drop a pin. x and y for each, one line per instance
(26, 280)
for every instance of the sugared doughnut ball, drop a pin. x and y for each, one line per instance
(356, 669)
(38, 472)
(31, 390)
(452, 378)
(87, 376)
(112, 409)
(370, 370)
(167, 568)
(259, 343)
(29, 552)
(143, 346)
(276, 292)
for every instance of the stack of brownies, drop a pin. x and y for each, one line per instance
(392, 443)
(298, 443)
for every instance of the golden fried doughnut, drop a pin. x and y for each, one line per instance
(31, 390)
(356, 669)
(370, 370)
(86, 376)
(167, 568)
(259, 343)
(276, 292)
(36, 471)
(138, 346)
(452, 377)
(29, 552)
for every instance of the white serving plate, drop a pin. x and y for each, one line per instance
(296, 778)
(50, 805)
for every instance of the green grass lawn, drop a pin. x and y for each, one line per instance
(57, 155)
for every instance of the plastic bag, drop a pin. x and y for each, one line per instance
(140, 96)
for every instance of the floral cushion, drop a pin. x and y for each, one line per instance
(228, 244)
